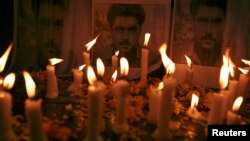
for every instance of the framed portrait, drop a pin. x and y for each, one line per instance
(45, 29)
(204, 31)
(157, 20)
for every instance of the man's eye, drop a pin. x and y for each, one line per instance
(132, 29)
(217, 21)
(58, 23)
(119, 29)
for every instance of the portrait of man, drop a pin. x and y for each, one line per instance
(123, 28)
(204, 46)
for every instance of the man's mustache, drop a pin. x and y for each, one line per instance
(124, 43)
(208, 37)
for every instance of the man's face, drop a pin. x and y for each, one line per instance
(208, 27)
(50, 24)
(125, 33)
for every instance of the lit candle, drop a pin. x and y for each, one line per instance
(76, 86)
(33, 110)
(94, 107)
(168, 92)
(243, 82)
(52, 88)
(218, 109)
(4, 58)
(232, 116)
(144, 59)
(192, 111)
(232, 86)
(115, 61)
(103, 88)
(121, 90)
(86, 55)
(154, 100)
(189, 73)
(6, 133)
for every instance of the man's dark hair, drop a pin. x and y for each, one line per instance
(126, 10)
(37, 3)
(194, 5)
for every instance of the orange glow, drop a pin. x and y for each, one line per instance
(146, 39)
(114, 76)
(224, 73)
(194, 101)
(91, 75)
(161, 85)
(91, 43)
(167, 62)
(9, 80)
(124, 66)
(189, 62)
(100, 67)
(30, 84)
(54, 61)
(244, 71)
(81, 67)
(117, 53)
(4, 58)
(237, 104)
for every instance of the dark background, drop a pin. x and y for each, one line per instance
(6, 24)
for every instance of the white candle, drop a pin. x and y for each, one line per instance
(232, 116)
(166, 102)
(86, 58)
(115, 61)
(168, 93)
(5, 114)
(144, 64)
(33, 110)
(86, 55)
(6, 133)
(52, 88)
(232, 87)
(154, 102)
(243, 83)
(94, 106)
(78, 77)
(121, 90)
(217, 109)
(144, 59)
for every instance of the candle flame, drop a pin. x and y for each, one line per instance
(124, 66)
(54, 61)
(4, 58)
(81, 67)
(194, 101)
(247, 62)
(100, 67)
(114, 76)
(237, 104)
(244, 71)
(91, 75)
(161, 85)
(117, 53)
(91, 43)
(224, 73)
(9, 80)
(146, 40)
(30, 84)
(167, 62)
(189, 62)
